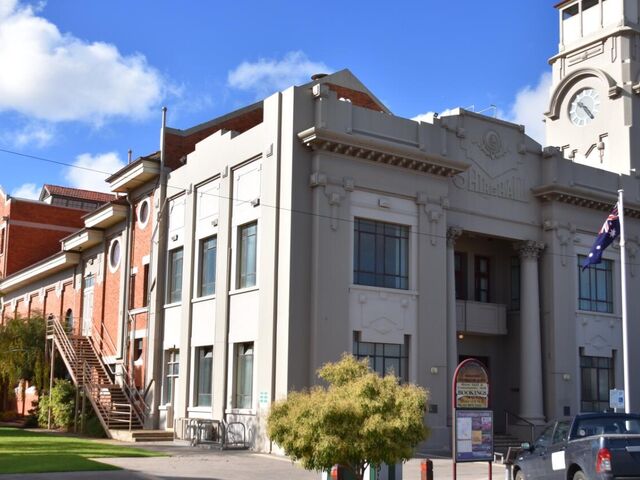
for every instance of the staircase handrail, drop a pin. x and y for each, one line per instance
(55, 329)
(141, 408)
(531, 425)
(92, 390)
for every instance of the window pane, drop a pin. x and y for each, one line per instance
(248, 254)
(204, 357)
(244, 375)
(208, 248)
(174, 293)
(383, 356)
(596, 374)
(381, 254)
(595, 286)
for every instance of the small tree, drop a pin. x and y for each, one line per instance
(360, 419)
(22, 354)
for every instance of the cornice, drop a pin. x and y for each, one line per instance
(618, 30)
(584, 198)
(380, 151)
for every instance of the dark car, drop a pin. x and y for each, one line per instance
(591, 446)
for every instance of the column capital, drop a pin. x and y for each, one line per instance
(453, 233)
(529, 249)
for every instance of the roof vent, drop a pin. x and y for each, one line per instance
(318, 76)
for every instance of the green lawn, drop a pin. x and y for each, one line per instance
(22, 451)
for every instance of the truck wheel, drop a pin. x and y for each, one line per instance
(579, 475)
(519, 475)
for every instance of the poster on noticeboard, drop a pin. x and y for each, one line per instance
(474, 435)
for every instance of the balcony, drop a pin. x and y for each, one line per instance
(481, 318)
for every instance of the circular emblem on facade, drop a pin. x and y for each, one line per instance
(492, 143)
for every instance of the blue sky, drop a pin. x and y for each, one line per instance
(82, 82)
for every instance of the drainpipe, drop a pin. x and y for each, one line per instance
(127, 283)
(158, 282)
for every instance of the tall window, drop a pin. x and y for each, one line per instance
(595, 286)
(482, 279)
(132, 291)
(174, 292)
(247, 243)
(172, 369)
(514, 303)
(145, 285)
(244, 375)
(460, 263)
(596, 380)
(207, 283)
(381, 254)
(204, 369)
(383, 357)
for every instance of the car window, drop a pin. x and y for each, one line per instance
(588, 427)
(544, 440)
(561, 432)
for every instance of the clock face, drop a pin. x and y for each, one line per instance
(584, 107)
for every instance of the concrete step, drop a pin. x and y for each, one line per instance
(142, 435)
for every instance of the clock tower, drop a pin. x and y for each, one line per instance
(594, 109)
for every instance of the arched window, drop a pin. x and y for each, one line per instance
(68, 320)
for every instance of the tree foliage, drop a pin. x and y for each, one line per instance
(22, 352)
(61, 400)
(359, 419)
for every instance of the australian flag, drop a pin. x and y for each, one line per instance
(608, 233)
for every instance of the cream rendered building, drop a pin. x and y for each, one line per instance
(340, 227)
(320, 223)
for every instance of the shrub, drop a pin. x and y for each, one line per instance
(62, 402)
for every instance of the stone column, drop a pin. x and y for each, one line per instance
(452, 329)
(531, 405)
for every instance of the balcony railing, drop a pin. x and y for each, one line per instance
(481, 317)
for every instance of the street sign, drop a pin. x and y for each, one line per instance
(616, 398)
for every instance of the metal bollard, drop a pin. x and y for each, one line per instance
(426, 470)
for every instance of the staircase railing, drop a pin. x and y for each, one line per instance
(99, 341)
(88, 378)
(59, 336)
(532, 426)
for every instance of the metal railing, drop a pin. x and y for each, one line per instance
(99, 341)
(204, 431)
(90, 378)
(532, 426)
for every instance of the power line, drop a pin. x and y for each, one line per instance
(48, 160)
(290, 210)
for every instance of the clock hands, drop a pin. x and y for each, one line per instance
(586, 109)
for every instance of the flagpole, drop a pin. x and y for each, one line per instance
(623, 278)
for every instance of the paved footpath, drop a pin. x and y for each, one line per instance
(195, 463)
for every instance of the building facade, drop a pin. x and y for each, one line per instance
(315, 222)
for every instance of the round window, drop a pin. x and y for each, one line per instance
(143, 213)
(114, 254)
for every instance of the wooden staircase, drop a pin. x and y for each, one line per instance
(117, 405)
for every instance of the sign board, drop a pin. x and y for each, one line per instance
(471, 384)
(473, 421)
(474, 436)
(616, 398)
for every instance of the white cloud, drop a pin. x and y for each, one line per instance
(429, 116)
(26, 190)
(37, 135)
(527, 109)
(529, 106)
(90, 171)
(269, 75)
(55, 76)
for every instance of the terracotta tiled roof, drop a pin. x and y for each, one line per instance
(77, 193)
